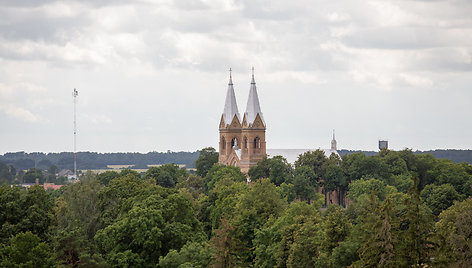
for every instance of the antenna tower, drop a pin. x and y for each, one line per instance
(74, 94)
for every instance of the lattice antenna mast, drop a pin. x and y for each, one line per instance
(74, 94)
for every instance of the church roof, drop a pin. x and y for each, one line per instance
(253, 107)
(231, 107)
(292, 154)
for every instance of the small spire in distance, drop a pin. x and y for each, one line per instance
(230, 76)
(253, 81)
(334, 146)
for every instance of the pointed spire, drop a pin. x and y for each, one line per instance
(333, 143)
(231, 107)
(253, 107)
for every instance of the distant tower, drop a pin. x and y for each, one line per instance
(383, 144)
(75, 93)
(253, 130)
(333, 143)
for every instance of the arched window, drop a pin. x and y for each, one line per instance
(245, 143)
(257, 143)
(234, 142)
(223, 143)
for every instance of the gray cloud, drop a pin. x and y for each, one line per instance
(172, 57)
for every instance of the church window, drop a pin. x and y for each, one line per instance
(257, 143)
(234, 142)
(245, 142)
(223, 142)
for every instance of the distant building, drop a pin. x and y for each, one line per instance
(383, 144)
(66, 173)
(51, 186)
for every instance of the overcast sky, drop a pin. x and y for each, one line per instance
(152, 75)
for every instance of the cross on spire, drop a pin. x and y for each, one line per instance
(252, 71)
(230, 72)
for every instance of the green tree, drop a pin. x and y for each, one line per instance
(305, 183)
(277, 169)
(454, 235)
(315, 160)
(32, 174)
(77, 221)
(193, 183)
(208, 157)
(6, 176)
(439, 197)
(163, 221)
(380, 238)
(105, 177)
(26, 250)
(362, 188)
(223, 200)
(23, 210)
(192, 254)
(417, 245)
(226, 246)
(219, 172)
(275, 242)
(166, 175)
(253, 210)
(336, 226)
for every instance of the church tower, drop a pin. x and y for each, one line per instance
(333, 143)
(253, 131)
(230, 129)
(242, 143)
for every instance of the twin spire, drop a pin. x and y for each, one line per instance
(253, 107)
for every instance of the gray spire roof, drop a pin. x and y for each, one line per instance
(231, 107)
(253, 107)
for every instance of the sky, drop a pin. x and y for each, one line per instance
(152, 75)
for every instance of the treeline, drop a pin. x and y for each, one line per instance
(458, 156)
(403, 210)
(92, 160)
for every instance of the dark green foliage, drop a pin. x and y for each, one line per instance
(168, 218)
(105, 177)
(23, 210)
(277, 169)
(78, 220)
(208, 157)
(7, 173)
(220, 172)
(33, 174)
(26, 250)
(305, 183)
(166, 175)
(193, 254)
(91, 160)
(153, 226)
(315, 160)
(439, 197)
(454, 235)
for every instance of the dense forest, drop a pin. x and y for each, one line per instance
(92, 160)
(399, 209)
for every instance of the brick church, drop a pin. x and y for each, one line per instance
(242, 141)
